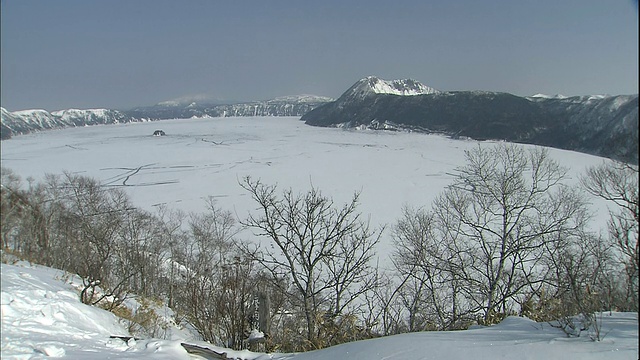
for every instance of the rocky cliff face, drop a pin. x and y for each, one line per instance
(599, 125)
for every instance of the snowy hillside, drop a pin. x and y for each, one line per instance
(514, 338)
(86, 116)
(19, 122)
(42, 318)
(26, 121)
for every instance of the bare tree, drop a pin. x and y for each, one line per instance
(24, 218)
(141, 248)
(171, 230)
(219, 282)
(617, 183)
(431, 291)
(323, 251)
(12, 205)
(88, 219)
(385, 312)
(489, 231)
(74, 223)
(581, 282)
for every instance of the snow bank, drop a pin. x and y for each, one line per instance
(514, 338)
(42, 317)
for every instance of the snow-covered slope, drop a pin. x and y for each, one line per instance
(90, 116)
(22, 122)
(26, 121)
(40, 118)
(42, 318)
(514, 338)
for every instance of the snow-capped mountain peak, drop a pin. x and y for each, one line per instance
(372, 85)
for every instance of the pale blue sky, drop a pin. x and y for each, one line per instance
(124, 53)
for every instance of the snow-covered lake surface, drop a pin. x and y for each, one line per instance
(43, 318)
(208, 157)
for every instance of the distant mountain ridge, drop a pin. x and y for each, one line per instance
(294, 105)
(599, 125)
(26, 121)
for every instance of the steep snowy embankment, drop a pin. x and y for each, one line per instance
(42, 317)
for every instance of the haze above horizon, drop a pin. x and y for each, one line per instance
(120, 54)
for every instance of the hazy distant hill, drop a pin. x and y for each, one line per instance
(295, 105)
(600, 125)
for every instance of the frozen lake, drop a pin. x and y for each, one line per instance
(208, 157)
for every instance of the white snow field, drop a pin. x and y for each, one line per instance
(208, 157)
(43, 318)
